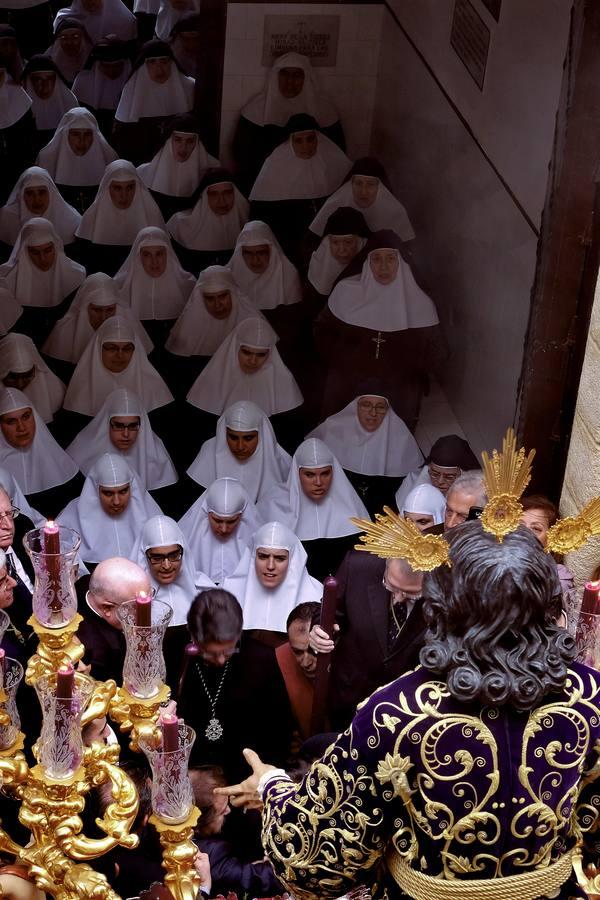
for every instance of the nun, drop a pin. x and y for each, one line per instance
(219, 526)
(110, 512)
(170, 12)
(96, 301)
(76, 157)
(186, 43)
(206, 234)
(151, 282)
(270, 580)
(123, 206)
(17, 131)
(114, 358)
(382, 325)
(215, 307)
(373, 445)
(100, 83)
(22, 367)
(425, 505)
(291, 87)
(101, 18)
(367, 189)
(39, 465)
(36, 195)
(50, 95)
(122, 427)
(316, 503)
(70, 48)
(448, 458)
(40, 277)
(10, 485)
(295, 180)
(155, 93)
(247, 366)
(10, 54)
(176, 171)
(244, 448)
(344, 236)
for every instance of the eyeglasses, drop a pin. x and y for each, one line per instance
(379, 408)
(124, 426)
(11, 513)
(4, 581)
(157, 558)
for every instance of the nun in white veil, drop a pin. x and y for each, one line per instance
(169, 13)
(114, 358)
(96, 301)
(262, 270)
(36, 195)
(50, 95)
(109, 17)
(111, 510)
(214, 308)
(425, 505)
(151, 281)
(9, 483)
(108, 432)
(218, 527)
(345, 235)
(16, 129)
(177, 581)
(244, 448)
(317, 503)
(30, 453)
(21, 366)
(271, 579)
(247, 366)
(10, 309)
(123, 206)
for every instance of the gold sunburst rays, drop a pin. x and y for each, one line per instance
(506, 476)
(392, 537)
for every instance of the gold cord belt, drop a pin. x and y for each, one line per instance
(525, 886)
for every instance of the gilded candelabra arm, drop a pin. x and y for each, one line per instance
(13, 770)
(136, 715)
(84, 883)
(588, 879)
(57, 646)
(179, 853)
(104, 691)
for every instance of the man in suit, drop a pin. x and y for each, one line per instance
(114, 581)
(13, 527)
(380, 629)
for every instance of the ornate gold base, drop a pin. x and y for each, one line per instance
(57, 647)
(179, 853)
(136, 715)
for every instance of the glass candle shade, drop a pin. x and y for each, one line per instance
(54, 598)
(587, 639)
(60, 747)
(171, 795)
(144, 667)
(11, 674)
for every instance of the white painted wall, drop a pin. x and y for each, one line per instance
(351, 84)
(475, 247)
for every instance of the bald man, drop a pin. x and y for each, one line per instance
(114, 581)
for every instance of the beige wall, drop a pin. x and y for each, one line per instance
(474, 246)
(582, 476)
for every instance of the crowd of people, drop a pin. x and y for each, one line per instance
(207, 373)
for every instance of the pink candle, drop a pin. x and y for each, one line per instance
(65, 681)
(51, 533)
(591, 596)
(2, 667)
(63, 710)
(143, 610)
(170, 733)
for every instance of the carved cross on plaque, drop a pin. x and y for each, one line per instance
(377, 341)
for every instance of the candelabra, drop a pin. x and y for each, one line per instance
(52, 793)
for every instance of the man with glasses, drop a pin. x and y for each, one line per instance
(232, 692)
(448, 458)
(466, 493)
(380, 630)
(113, 581)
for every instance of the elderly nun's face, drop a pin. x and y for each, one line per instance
(421, 520)
(165, 562)
(305, 143)
(36, 199)
(182, 145)
(343, 247)
(159, 69)
(218, 303)
(116, 355)
(114, 500)
(43, 256)
(80, 140)
(18, 427)
(256, 257)
(290, 82)
(221, 198)
(154, 260)
(271, 565)
(364, 190)
(370, 411)
(71, 41)
(122, 193)
(384, 265)
(43, 84)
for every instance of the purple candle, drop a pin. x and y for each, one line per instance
(143, 610)
(170, 733)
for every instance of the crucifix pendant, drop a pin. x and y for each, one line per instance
(377, 341)
(214, 730)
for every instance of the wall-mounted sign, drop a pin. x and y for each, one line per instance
(313, 36)
(470, 37)
(494, 7)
